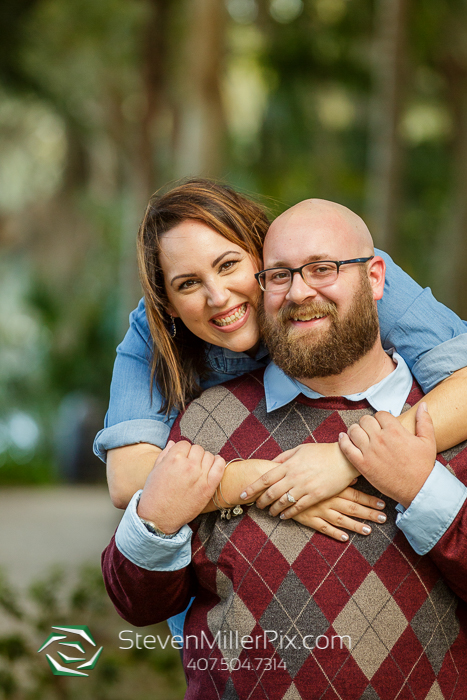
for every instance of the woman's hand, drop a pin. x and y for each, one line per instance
(326, 517)
(310, 473)
(181, 483)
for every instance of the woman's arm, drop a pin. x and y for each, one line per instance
(135, 429)
(316, 472)
(326, 516)
(447, 406)
(133, 415)
(127, 465)
(127, 470)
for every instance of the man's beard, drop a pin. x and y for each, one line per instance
(316, 353)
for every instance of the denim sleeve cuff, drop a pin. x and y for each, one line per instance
(131, 432)
(432, 510)
(440, 362)
(147, 550)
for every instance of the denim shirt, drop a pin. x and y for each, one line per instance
(431, 338)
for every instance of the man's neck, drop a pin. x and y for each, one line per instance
(366, 372)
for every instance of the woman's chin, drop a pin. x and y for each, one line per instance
(244, 340)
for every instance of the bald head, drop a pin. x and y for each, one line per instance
(318, 228)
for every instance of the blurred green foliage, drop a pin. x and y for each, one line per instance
(60, 599)
(103, 103)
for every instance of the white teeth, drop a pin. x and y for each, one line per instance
(308, 318)
(227, 320)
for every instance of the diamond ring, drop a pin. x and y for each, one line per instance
(290, 498)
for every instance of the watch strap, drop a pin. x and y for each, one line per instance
(153, 529)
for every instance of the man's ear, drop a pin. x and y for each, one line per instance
(376, 275)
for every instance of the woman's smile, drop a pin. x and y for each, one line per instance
(232, 319)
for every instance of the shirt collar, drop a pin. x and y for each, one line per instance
(389, 394)
(217, 351)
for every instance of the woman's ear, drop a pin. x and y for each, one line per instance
(376, 274)
(171, 311)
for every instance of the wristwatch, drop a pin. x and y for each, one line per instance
(152, 527)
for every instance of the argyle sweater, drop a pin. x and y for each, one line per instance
(282, 611)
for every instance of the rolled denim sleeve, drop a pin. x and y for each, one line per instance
(432, 510)
(441, 362)
(133, 415)
(415, 323)
(131, 432)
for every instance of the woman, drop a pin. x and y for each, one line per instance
(198, 248)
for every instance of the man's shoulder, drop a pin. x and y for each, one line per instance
(218, 412)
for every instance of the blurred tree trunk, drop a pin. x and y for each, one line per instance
(384, 168)
(155, 70)
(450, 263)
(142, 168)
(199, 146)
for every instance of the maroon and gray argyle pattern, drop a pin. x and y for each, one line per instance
(369, 619)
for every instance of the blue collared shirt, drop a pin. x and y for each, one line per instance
(389, 394)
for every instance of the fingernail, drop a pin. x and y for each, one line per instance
(282, 516)
(381, 518)
(380, 504)
(243, 495)
(424, 407)
(344, 538)
(341, 435)
(366, 529)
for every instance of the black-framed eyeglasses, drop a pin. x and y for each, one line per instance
(315, 274)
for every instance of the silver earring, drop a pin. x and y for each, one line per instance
(173, 328)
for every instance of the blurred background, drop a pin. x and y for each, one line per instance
(101, 103)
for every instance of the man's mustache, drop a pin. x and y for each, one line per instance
(321, 308)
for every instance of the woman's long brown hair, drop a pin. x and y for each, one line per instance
(179, 363)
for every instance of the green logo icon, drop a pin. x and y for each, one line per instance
(73, 652)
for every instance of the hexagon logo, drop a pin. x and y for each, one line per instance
(72, 647)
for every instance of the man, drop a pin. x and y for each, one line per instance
(281, 611)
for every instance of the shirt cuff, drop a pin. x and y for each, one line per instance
(131, 432)
(147, 550)
(432, 510)
(440, 362)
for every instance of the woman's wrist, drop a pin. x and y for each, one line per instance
(237, 478)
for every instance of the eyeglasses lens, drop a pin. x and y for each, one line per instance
(314, 274)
